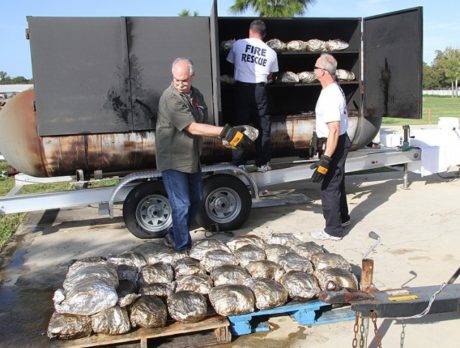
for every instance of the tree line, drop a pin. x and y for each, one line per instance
(18, 80)
(444, 72)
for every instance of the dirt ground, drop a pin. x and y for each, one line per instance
(419, 230)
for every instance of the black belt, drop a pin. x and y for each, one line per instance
(252, 83)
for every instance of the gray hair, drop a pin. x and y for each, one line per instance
(328, 63)
(188, 60)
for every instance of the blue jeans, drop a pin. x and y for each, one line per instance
(185, 193)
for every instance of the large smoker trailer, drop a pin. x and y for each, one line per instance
(97, 82)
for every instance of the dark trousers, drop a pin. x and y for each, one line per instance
(251, 107)
(185, 194)
(333, 196)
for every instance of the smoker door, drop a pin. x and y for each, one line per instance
(393, 64)
(153, 44)
(79, 68)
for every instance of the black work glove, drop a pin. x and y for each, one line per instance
(321, 168)
(236, 137)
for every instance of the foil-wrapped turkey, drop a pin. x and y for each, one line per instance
(268, 293)
(187, 306)
(276, 45)
(306, 76)
(217, 258)
(344, 75)
(275, 251)
(157, 273)
(335, 279)
(68, 326)
(242, 241)
(308, 249)
(296, 45)
(148, 312)
(287, 239)
(300, 285)
(329, 260)
(294, 262)
(112, 321)
(201, 247)
(200, 283)
(315, 45)
(265, 269)
(232, 299)
(249, 253)
(230, 274)
(188, 266)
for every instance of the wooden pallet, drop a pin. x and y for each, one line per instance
(305, 313)
(210, 331)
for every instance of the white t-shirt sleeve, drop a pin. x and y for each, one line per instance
(274, 63)
(231, 56)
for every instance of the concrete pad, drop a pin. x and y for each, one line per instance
(420, 245)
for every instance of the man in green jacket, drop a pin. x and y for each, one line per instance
(180, 126)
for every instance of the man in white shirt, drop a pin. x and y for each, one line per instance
(253, 62)
(331, 126)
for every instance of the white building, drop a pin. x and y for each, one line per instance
(7, 91)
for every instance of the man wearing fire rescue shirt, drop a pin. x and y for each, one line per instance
(253, 62)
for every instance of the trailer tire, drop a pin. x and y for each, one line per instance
(226, 203)
(147, 212)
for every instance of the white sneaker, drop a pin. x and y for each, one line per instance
(324, 236)
(264, 168)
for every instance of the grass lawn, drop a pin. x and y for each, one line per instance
(9, 223)
(431, 105)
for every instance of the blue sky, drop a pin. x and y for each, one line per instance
(441, 24)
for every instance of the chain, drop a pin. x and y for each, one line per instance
(354, 343)
(378, 338)
(362, 330)
(358, 327)
(403, 335)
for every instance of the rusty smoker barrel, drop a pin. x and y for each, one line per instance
(49, 156)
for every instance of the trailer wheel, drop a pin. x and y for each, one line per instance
(227, 203)
(147, 212)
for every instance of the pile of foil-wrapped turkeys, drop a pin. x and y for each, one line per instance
(152, 285)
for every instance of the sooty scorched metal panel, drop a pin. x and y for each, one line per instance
(154, 43)
(79, 69)
(392, 64)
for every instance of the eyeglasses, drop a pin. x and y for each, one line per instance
(317, 67)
